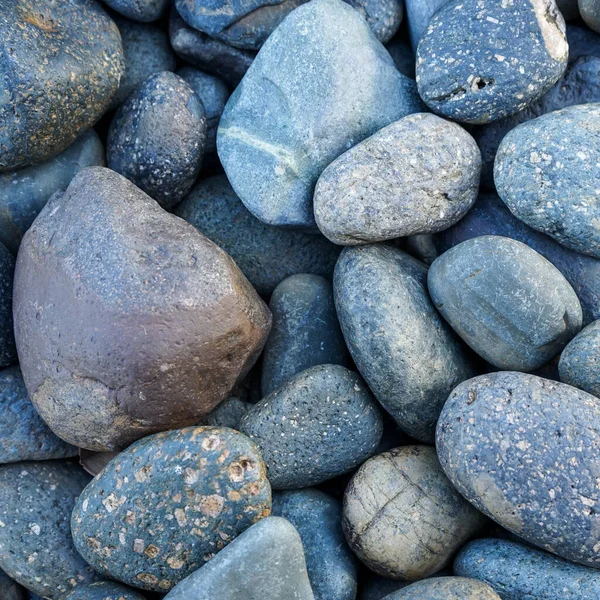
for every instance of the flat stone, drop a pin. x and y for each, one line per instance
(104, 590)
(320, 84)
(578, 364)
(446, 588)
(477, 63)
(418, 15)
(140, 10)
(8, 350)
(590, 13)
(229, 413)
(167, 504)
(10, 589)
(523, 450)
(151, 292)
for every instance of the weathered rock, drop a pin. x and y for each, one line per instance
(578, 364)
(104, 590)
(8, 351)
(228, 413)
(407, 354)
(446, 588)
(170, 322)
(320, 84)
(418, 15)
(43, 110)
(266, 561)
(10, 589)
(164, 507)
(402, 517)
(140, 10)
(523, 450)
(383, 16)
(321, 423)
(590, 12)
(582, 42)
(403, 56)
(480, 62)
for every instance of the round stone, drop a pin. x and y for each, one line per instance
(446, 588)
(579, 361)
(590, 12)
(383, 16)
(229, 413)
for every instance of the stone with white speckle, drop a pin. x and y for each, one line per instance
(579, 361)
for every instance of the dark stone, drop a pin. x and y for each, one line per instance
(407, 354)
(140, 10)
(171, 324)
(229, 413)
(569, 9)
(43, 110)
(321, 423)
(446, 588)
(266, 255)
(422, 246)
(524, 450)
(8, 351)
(383, 16)
(104, 590)
(579, 361)
(582, 42)
(590, 12)
(377, 587)
(403, 56)
(10, 589)
(480, 62)
(418, 15)
(165, 506)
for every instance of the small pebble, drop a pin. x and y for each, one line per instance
(403, 56)
(590, 13)
(418, 15)
(580, 360)
(383, 16)
(104, 590)
(10, 589)
(446, 588)
(229, 413)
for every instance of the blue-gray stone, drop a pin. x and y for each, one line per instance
(305, 330)
(446, 588)
(8, 350)
(590, 12)
(506, 301)
(36, 548)
(23, 193)
(418, 15)
(10, 589)
(266, 255)
(546, 173)
(582, 42)
(519, 572)
(55, 82)
(320, 84)
(157, 138)
(104, 590)
(140, 10)
(377, 587)
(579, 361)
(524, 450)
(480, 62)
(408, 355)
(321, 423)
(164, 506)
(317, 517)
(265, 562)
(422, 246)
(383, 16)
(403, 56)
(228, 413)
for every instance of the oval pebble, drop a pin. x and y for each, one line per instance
(228, 413)
(104, 590)
(446, 588)
(383, 16)
(579, 361)
(590, 13)
(418, 15)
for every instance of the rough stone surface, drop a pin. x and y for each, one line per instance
(266, 562)
(403, 56)
(140, 10)
(321, 423)
(518, 572)
(582, 42)
(480, 62)
(417, 175)
(523, 450)
(10, 589)
(579, 361)
(266, 255)
(8, 351)
(165, 506)
(171, 322)
(43, 110)
(402, 517)
(510, 304)
(104, 590)
(446, 588)
(407, 354)
(590, 12)
(229, 413)
(383, 16)
(418, 15)
(320, 84)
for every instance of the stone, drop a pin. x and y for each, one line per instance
(8, 351)
(402, 517)
(407, 354)
(418, 15)
(517, 572)
(523, 450)
(43, 111)
(229, 413)
(168, 503)
(305, 330)
(377, 587)
(422, 246)
(320, 424)
(582, 42)
(24, 192)
(320, 84)
(10, 589)
(507, 302)
(266, 255)
(590, 13)
(317, 518)
(478, 63)
(383, 16)
(167, 315)
(36, 548)
(562, 203)
(403, 56)
(104, 590)
(418, 175)
(578, 364)
(446, 588)
(157, 138)
(140, 10)
(569, 9)
(266, 561)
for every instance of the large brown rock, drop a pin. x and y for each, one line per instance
(128, 320)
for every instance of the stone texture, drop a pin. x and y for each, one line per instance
(579, 361)
(10, 589)
(320, 84)
(523, 450)
(140, 10)
(171, 324)
(377, 587)
(8, 351)
(43, 110)
(446, 588)
(229, 413)
(418, 15)
(383, 16)
(166, 505)
(407, 354)
(104, 590)
(480, 62)
(590, 12)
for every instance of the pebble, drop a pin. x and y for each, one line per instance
(168, 503)
(403, 56)
(266, 562)
(579, 361)
(590, 13)
(36, 549)
(10, 589)
(104, 590)
(150, 291)
(406, 353)
(519, 572)
(480, 62)
(402, 517)
(8, 351)
(320, 84)
(157, 138)
(383, 16)
(507, 302)
(266, 255)
(446, 588)
(320, 424)
(79, 77)
(317, 518)
(305, 330)
(523, 450)
(228, 413)
(377, 587)
(417, 175)
(140, 10)
(418, 15)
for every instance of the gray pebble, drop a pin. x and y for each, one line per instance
(403, 56)
(140, 10)
(104, 590)
(580, 360)
(383, 16)
(418, 15)
(10, 589)
(377, 587)
(590, 12)
(228, 413)
(8, 350)
(446, 588)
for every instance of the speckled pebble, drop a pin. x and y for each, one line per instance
(418, 15)
(104, 590)
(590, 13)
(580, 360)
(10, 589)
(446, 588)
(140, 10)
(8, 350)
(229, 413)
(383, 16)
